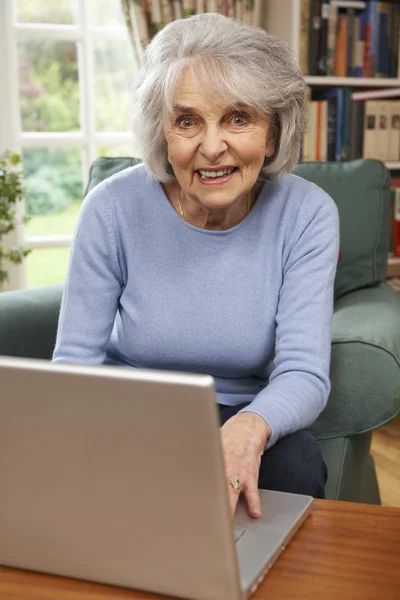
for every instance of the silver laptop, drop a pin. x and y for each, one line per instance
(116, 475)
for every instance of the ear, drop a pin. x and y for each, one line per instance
(269, 149)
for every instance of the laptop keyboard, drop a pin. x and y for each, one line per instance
(238, 533)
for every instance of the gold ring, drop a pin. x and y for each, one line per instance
(235, 483)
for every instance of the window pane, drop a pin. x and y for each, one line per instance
(47, 266)
(115, 69)
(53, 190)
(59, 12)
(48, 74)
(106, 12)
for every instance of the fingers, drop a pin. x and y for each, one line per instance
(233, 499)
(252, 496)
(253, 499)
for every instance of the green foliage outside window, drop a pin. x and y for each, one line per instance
(11, 192)
(50, 99)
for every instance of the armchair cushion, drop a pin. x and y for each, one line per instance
(105, 166)
(365, 364)
(361, 190)
(28, 321)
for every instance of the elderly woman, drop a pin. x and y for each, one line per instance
(210, 257)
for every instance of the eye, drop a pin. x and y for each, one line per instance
(185, 122)
(239, 119)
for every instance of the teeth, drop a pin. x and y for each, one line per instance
(213, 174)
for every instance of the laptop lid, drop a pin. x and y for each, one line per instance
(115, 475)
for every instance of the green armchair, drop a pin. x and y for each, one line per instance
(365, 365)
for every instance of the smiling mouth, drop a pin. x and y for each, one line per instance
(204, 174)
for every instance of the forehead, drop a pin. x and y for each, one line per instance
(191, 92)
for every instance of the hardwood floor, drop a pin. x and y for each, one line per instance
(386, 452)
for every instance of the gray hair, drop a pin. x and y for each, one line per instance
(227, 57)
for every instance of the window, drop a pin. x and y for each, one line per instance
(72, 68)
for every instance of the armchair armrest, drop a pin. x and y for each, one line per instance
(28, 321)
(365, 363)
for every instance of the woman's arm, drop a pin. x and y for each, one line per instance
(299, 385)
(93, 285)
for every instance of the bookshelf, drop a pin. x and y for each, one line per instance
(283, 19)
(367, 82)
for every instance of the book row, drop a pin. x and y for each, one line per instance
(346, 38)
(346, 125)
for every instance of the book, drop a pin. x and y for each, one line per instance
(384, 13)
(313, 131)
(357, 130)
(396, 224)
(335, 119)
(331, 45)
(323, 38)
(323, 133)
(306, 138)
(394, 42)
(371, 39)
(313, 36)
(351, 16)
(346, 125)
(341, 46)
(383, 130)
(304, 26)
(357, 58)
(394, 142)
(331, 133)
(370, 129)
(360, 65)
(318, 137)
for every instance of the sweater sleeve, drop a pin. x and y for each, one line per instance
(93, 285)
(299, 384)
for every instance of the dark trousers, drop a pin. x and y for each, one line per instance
(294, 464)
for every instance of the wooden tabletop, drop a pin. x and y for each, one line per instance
(343, 551)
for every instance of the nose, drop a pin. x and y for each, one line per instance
(212, 144)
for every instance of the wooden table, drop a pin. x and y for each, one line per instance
(343, 551)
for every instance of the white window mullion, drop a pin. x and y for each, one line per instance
(33, 31)
(86, 85)
(10, 126)
(85, 34)
(37, 31)
(49, 241)
(52, 140)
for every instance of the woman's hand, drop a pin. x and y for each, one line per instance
(244, 437)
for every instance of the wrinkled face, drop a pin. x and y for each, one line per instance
(216, 149)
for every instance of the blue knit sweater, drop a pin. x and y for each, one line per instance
(251, 305)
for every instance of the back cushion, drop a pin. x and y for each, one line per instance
(361, 190)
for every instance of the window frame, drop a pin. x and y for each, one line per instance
(87, 139)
